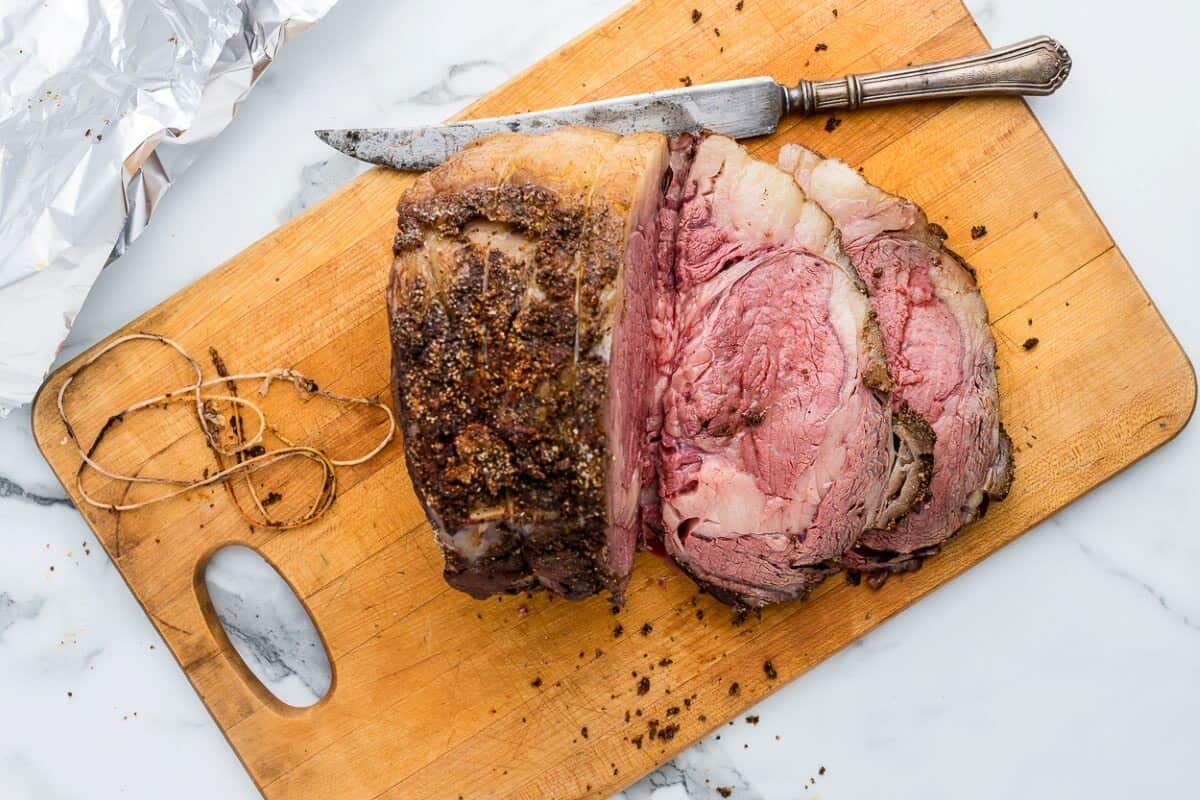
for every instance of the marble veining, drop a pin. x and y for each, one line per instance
(465, 81)
(1133, 580)
(268, 626)
(705, 771)
(11, 490)
(13, 611)
(1064, 665)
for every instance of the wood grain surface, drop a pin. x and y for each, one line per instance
(433, 693)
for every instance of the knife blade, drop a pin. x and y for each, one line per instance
(740, 108)
(737, 108)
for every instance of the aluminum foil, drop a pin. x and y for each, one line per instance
(103, 104)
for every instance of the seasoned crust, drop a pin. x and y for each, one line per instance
(503, 300)
(497, 385)
(912, 469)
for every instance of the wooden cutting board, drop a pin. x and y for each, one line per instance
(433, 693)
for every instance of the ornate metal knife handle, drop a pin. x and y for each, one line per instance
(1035, 66)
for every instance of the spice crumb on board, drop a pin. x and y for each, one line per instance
(752, 719)
(820, 46)
(725, 791)
(536, 682)
(734, 688)
(643, 685)
(668, 732)
(686, 80)
(821, 771)
(769, 670)
(696, 15)
(647, 629)
(832, 124)
(717, 31)
(1030, 343)
(740, 5)
(617, 631)
(978, 231)
(835, 12)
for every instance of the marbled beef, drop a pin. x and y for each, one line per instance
(780, 445)
(940, 350)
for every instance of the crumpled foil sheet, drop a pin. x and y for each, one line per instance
(103, 104)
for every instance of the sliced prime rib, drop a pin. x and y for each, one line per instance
(940, 350)
(523, 303)
(596, 337)
(780, 445)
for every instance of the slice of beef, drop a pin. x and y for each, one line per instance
(940, 352)
(779, 444)
(524, 303)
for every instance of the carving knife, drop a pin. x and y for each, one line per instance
(738, 108)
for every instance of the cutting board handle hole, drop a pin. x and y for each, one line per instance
(264, 628)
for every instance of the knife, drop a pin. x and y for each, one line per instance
(738, 108)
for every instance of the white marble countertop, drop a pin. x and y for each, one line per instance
(1067, 665)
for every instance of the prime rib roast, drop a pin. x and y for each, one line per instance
(600, 341)
(940, 352)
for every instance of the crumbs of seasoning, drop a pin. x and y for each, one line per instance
(272, 498)
(668, 732)
(717, 31)
(832, 124)
(652, 729)
(769, 670)
(740, 5)
(686, 80)
(627, 715)
(583, 732)
(835, 12)
(647, 629)
(820, 46)
(734, 688)
(1035, 215)
(665, 662)
(703, 718)
(696, 15)
(536, 682)
(615, 610)
(1030, 343)
(725, 791)
(699, 613)
(599, 652)
(643, 685)
(673, 711)
(978, 231)
(617, 631)
(752, 719)
(637, 741)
